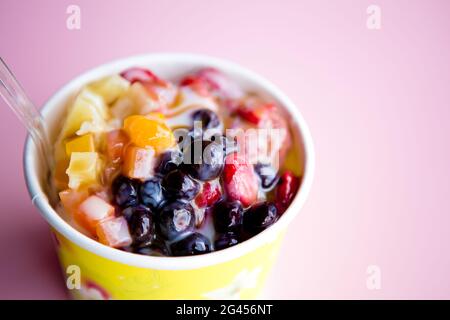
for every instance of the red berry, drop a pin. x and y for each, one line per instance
(211, 81)
(198, 84)
(287, 188)
(240, 180)
(141, 75)
(210, 193)
(254, 114)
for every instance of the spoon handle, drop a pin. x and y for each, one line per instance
(14, 95)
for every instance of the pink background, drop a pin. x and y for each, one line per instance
(377, 103)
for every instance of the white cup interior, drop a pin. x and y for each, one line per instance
(172, 67)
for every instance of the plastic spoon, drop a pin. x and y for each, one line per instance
(14, 95)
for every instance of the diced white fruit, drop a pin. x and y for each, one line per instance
(114, 232)
(96, 209)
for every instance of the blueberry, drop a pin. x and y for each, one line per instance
(125, 191)
(203, 160)
(228, 145)
(178, 185)
(193, 244)
(158, 248)
(208, 118)
(169, 161)
(227, 215)
(128, 212)
(151, 193)
(174, 219)
(226, 240)
(267, 174)
(259, 217)
(142, 228)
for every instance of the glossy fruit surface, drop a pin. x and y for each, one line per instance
(203, 160)
(142, 228)
(226, 240)
(169, 161)
(210, 193)
(193, 244)
(227, 215)
(286, 190)
(93, 210)
(178, 185)
(84, 143)
(267, 175)
(151, 193)
(71, 199)
(139, 162)
(208, 119)
(259, 217)
(116, 142)
(83, 169)
(125, 191)
(146, 132)
(174, 219)
(114, 232)
(240, 180)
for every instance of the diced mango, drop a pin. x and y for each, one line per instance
(91, 211)
(60, 177)
(114, 232)
(88, 107)
(110, 88)
(138, 162)
(145, 132)
(83, 169)
(116, 141)
(84, 143)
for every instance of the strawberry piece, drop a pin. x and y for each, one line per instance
(209, 81)
(240, 180)
(114, 232)
(286, 190)
(255, 114)
(210, 193)
(141, 75)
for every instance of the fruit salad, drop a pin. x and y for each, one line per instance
(156, 167)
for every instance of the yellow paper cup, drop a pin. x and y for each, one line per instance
(97, 271)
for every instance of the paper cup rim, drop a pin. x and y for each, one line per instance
(39, 198)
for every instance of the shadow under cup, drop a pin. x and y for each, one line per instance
(93, 270)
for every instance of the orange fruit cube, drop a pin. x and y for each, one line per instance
(84, 143)
(149, 132)
(138, 162)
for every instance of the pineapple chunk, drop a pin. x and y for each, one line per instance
(83, 169)
(88, 107)
(110, 88)
(80, 144)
